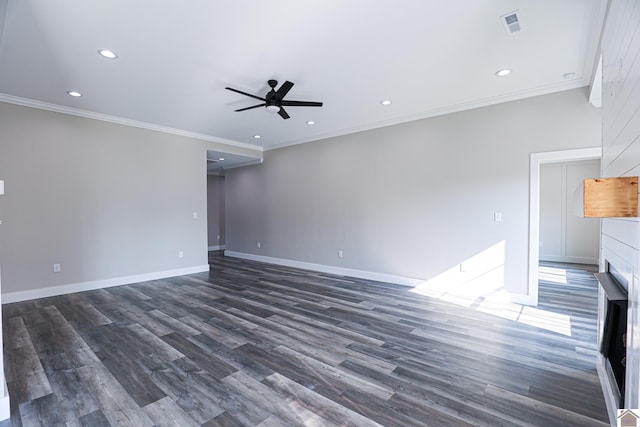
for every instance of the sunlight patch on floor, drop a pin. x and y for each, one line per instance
(552, 274)
(532, 316)
(478, 283)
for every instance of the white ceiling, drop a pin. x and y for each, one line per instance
(176, 57)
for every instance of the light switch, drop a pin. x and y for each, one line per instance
(497, 216)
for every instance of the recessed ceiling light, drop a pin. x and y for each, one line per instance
(503, 73)
(385, 102)
(73, 93)
(108, 54)
(220, 159)
(311, 122)
(256, 136)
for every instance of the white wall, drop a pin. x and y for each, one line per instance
(621, 157)
(216, 212)
(108, 202)
(565, 235)
(410, 200)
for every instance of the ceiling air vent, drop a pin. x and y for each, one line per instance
(511, 22)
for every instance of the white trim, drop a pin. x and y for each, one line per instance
(26, 102)
(216, 248)
(570, 259)
(98, 284)
(5, 408)
(484, 102)
(536, 160)
(595, 90)
(610, 395)
(322, 268)
(360, 274)
(522, 299)
(243, 164)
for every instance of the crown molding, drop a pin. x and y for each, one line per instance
(484, 102)
(478, 103)
(32, 103)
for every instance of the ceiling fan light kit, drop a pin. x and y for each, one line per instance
(274, 99)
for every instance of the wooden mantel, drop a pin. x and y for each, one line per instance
(611, 197)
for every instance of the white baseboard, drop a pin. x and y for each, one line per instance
(5, 409)
(360, 274)
(339, 271)
(217, 248)
(570, 259)
(98, 284)
(523, 299)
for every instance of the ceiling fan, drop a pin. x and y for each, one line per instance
(273, 100)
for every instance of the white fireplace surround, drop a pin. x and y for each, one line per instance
(610, 389)
(624, 273)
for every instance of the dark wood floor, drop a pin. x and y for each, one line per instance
(256, 344)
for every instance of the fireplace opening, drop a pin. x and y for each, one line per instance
(614, 340)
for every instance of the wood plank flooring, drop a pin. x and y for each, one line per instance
(252, 344)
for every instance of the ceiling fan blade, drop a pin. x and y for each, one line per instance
(283, 113)
(244, 93)
(301, 104)
(284, 89)
(249, 108)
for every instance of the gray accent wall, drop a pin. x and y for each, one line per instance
(103, 200)
(215, 210)
(411, 200)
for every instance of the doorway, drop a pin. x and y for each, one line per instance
(536, 160)
(566, 236)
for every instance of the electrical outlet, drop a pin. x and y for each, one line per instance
(195, 215)
(57, 268)
(180, 254)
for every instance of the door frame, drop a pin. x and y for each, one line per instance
(536, 160)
